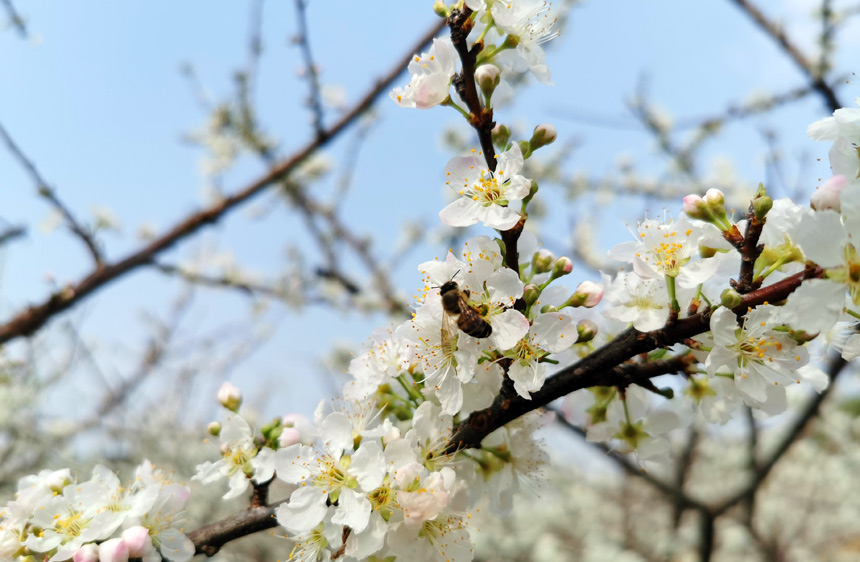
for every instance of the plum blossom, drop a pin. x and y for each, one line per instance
(431, 75)
(529, 24)
(755, 354)
(241, 459)
(486, 196)
(642, 302)
(549, 333)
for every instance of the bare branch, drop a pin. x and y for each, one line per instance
(48, 193)
(34, 317)
(809, 69)
(15, 18)
(304, 43)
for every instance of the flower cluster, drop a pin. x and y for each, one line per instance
(54, 518)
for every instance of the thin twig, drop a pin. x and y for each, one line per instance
(15, 18)
(48, 193)
(304, 42)
(810, 70)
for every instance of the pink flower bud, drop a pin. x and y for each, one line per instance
(562, 266)
(138, 541)
(113, 550)
(593, 293)
(87, 553)
(696, 208)
(828, 195)
(297, 429)
(230, 397)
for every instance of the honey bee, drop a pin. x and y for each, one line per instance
(455, 303)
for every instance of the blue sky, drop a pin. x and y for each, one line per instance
(97, 100)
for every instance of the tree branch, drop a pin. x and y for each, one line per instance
(28, 321)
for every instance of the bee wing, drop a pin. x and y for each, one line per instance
(449, 332)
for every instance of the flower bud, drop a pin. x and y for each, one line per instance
(87, 553)
(488, 77)
(761, 203)
(548, 308)
(762, 206)
(289, 436)
(113, 550)
(296, 423)
(230, 397)
(586, 330)
(214, 429)
(730, 298)
(542, 261)
(828, 195)
(138, 541)
(501, 135)
(441, 9)
(587, 294)
(716, 202)
(531, 293)
(562, 267)
(696, 208)
(543, 135)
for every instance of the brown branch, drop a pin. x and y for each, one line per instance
(45, 191)
(11, 233)
(304, 42)
(603, 367)
(809, 69)
(750, 251)
(30, 320)
(15, 18)
(208, 540)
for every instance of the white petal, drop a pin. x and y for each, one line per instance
(304, 511)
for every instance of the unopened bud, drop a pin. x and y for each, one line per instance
(548, 308)
(230, 397)
(113, 550)
(542, 261)
(716, 202)
(761, 203)
(501, 135)
(586, 330)
(296, 423)
(441, 9)
(138, 541)
(543, 135)
(86, 553)
(828, 195)
(531, 294)
(488, 77)
(731, 298)
(762, 206)
(562, 267)
(214, 429)
(587, 294)
(696, 208)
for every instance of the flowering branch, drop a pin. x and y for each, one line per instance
(604, 366)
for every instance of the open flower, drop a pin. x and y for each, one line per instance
(486, 196)
(431, 75)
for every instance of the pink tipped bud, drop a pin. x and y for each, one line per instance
(87, 553)
(543, 135)
(587, 294)
(113, 550)
(138, 541)
(297, 429)
(716, 203)
(562, 266)
(696, 208)
(828, 195)
(531, 293)
(230, 397)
